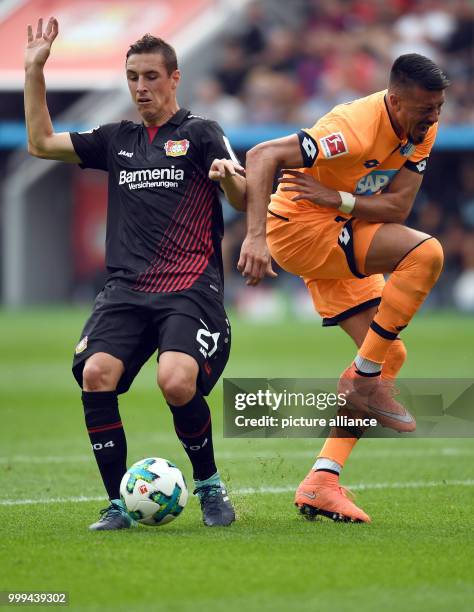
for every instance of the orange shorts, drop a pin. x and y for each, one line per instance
(328, 251)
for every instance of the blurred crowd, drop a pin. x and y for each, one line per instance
(450, 217)
(292, 63)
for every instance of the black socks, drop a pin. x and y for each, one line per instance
(192, 423)
(107, 437)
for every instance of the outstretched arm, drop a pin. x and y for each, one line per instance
(42, 141)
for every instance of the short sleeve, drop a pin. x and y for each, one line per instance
(334, 140)
(215, 144)
(92, 146)
(308, 147)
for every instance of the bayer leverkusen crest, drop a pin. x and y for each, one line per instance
(175, 148)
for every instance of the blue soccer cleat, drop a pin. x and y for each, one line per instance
(113, 517)
(217, 511)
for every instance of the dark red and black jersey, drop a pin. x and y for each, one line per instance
(164, 217)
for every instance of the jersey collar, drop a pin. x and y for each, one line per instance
(176, 119)
(179, 117)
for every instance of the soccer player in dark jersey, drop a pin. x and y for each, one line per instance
(163, 255)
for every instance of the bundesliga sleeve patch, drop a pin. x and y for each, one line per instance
(309, 148)
(334, 145)
(419, 167)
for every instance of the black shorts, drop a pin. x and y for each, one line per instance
(131, 325)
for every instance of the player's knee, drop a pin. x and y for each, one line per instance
(98, 377)
(438, 255)
(430, 257)
(177, 386)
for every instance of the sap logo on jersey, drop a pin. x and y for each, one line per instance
(151, 177)
(374, 182)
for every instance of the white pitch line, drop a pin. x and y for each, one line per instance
(254, 454)
(365, 486)
(260, 490)
(50, 500)
(46, 459)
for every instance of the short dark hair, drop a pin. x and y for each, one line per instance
(414, 69)
(151, 44)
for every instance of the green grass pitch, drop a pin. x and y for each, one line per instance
(416, 555)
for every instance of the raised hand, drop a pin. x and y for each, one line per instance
(38, 47)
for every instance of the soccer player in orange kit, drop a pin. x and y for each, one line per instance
(336, 220)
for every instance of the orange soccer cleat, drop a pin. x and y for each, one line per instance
(321, 494)
(373, 395)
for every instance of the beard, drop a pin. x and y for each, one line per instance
(418, 134)
(417, 139)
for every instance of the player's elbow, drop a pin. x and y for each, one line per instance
(399, 216)
(254, 153)
(32, 150)
(263, 152)
(399, 209)
(44, 146)
(37, 151)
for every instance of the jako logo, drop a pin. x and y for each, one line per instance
(152, 174)
(374, 182)
(125, 153)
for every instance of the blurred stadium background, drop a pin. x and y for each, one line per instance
(262, 69)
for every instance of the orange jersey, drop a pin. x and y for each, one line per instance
(354, 148)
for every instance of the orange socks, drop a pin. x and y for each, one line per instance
(394, 359)
(337, 449)
(404, 293)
